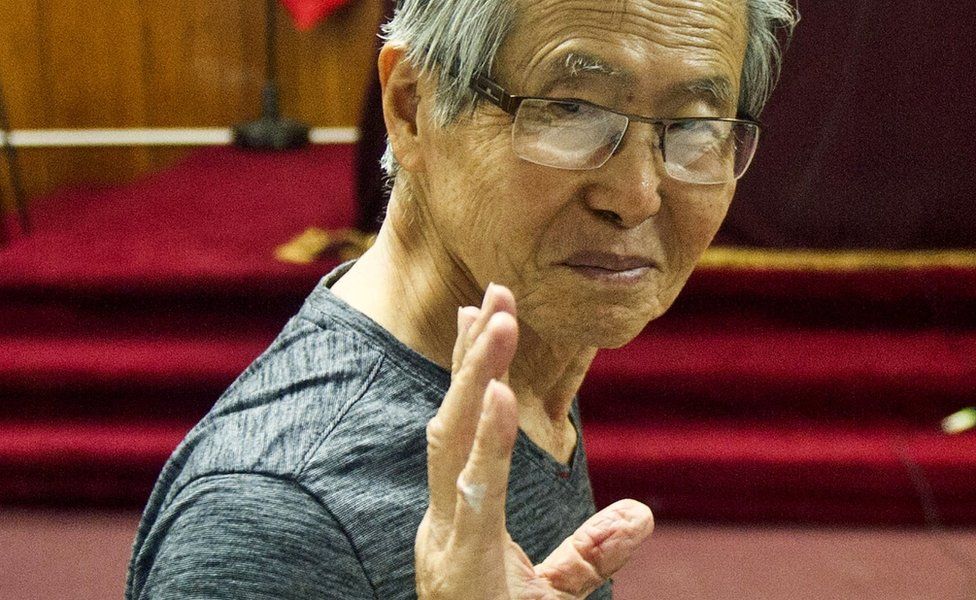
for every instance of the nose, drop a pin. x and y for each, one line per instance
(629, 192)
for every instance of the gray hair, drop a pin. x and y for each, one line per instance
(463, 37)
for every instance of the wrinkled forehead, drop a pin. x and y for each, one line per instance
(632, 43)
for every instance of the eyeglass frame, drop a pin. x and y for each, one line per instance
(499, 96)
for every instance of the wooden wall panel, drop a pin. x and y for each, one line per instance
(20, 78)
(21, 64)
(327, 69)
(91, 76)
(178, 63)
(90, 64)
(204, 60)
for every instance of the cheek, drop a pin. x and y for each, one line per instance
(696, 221)
(486, 205)
(515, 210)
(690, 225)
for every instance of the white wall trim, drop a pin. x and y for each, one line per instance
(201, 136)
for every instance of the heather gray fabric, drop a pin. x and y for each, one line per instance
(308, 478)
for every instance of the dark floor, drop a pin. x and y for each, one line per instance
(82, 556)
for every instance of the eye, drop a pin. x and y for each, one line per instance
(696, 131)
(690, 126)
(565, 107)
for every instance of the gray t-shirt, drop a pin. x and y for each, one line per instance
(308, 478)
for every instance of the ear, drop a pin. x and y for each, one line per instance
(399, 80)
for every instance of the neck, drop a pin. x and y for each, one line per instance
(410, 284)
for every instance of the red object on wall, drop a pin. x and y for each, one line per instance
(307, 13)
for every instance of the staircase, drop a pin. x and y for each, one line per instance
(776, 395)
(764, 395)
(129, 310)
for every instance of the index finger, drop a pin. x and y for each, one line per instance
(450, 434)
(482, 486)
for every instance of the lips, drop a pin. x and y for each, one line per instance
(609, 262)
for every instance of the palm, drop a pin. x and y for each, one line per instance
(523, 582)
(463, 549)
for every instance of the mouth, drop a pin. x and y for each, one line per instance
(610, 268)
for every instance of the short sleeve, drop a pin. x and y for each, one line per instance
(250, 536)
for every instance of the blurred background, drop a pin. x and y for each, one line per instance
(785, 420)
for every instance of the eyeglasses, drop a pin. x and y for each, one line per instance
(579, 135)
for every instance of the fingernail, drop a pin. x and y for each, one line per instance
(488, 292)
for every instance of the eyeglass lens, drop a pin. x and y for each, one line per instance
(571, 135)
(566, 135)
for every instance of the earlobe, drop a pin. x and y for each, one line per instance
(399, 81)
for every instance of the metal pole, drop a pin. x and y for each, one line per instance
(271, 131)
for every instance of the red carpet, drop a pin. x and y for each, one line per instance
(764, 395)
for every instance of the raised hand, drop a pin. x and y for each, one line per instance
(463, 549)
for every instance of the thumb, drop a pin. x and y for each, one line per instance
(598, 549)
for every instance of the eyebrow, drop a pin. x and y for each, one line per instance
(576, 65)
(717, 91)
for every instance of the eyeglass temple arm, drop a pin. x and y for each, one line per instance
(495, 94)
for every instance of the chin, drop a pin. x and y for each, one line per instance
(613, 340)
(605, 327)
(611, 334)
(572, 315)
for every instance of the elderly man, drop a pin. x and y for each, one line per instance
(559, 167)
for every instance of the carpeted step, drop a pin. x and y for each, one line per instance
(916, 285)
(799, 472)
(188, 251)
(673, 369)
(84, 463)
(202, 232)
(64, 315)
(711, 367)
(710, 471)
(106, 377)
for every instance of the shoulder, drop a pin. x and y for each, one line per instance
(326, 404)
(283, 407)
(324, 432)
(247, 536)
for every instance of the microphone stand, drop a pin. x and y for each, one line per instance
(271, 131)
